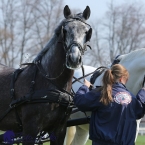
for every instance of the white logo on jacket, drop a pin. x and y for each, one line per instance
(122, 98)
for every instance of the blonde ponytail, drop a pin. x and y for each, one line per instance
(109, 78)
(108, 81)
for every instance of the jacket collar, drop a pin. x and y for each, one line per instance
(118, 84)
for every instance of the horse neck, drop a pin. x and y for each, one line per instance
(53, 63)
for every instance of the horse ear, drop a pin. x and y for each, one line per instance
(67, 12)
(89, 34)
(86, 13)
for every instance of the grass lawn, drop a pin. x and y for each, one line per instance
(140, 141)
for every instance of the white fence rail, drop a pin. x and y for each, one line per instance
(141, 131)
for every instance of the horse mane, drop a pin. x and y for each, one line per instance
(132, 55)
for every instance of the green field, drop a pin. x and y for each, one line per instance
(140, 141)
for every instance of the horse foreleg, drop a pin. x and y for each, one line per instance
(30, 131)
(81, 136)
(57, 137)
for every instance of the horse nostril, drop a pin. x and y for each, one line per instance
(80, 59)
(69, 58)
(72, 58)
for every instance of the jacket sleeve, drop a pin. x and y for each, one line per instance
(86, 100)
(141, 103)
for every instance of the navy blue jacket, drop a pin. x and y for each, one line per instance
(114, 124)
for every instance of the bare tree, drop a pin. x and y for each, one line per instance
(7, 29)
(120, 31)
(96, 56)
(46, 16)
(25, 27)
(125, 28)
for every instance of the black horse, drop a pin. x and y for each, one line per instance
(53, 68)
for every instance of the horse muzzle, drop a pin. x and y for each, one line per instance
(73, 58)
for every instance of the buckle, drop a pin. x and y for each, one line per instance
(32, 82)
(12, 90)
(12, 106)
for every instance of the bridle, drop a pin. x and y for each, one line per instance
(66, 48)
(74, 43)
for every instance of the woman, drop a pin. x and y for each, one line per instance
(114, 108)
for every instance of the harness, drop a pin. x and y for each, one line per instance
(59, 95)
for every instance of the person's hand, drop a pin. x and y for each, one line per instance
(87, 83)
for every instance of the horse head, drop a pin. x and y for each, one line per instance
(75, 33)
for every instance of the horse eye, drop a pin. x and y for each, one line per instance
(64, 31)
(64, 34)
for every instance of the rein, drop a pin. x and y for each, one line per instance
(50, 79)
(74, 43)
(78, 79)
(95, 73)
(39, 67)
